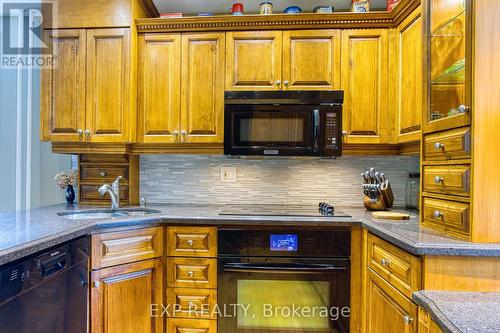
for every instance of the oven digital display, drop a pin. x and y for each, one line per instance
(284, 242)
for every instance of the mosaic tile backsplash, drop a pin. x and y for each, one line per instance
(196, 179)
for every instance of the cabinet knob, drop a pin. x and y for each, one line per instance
(103, 173)
(463, 109)
(79, 132)
(344, 133)
(385, 262)
(183, 135)
(175, 133)
(87, 133)
(96, 284)
(438, 180)
(286, 83)
(190, 273)
(190, 242)
(407, 319)
(438, 146)
(437, 214)
(278, 82)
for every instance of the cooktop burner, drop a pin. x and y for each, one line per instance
(324, 210)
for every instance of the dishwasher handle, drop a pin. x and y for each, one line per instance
(53, 265)
(282, 268)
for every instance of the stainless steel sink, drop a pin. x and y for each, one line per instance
(107, 213)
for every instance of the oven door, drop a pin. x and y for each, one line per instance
(286, 130)
(283, 295)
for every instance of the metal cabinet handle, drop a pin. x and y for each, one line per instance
(345, 133)
(103, 174)
(407, 319)
(438, 146)
(96, 284)
(183, 135)
(79, 132)
(190, 242)
(385, 262)
(87, 133)
(286, 83)
(437, 214)
(438, 180)
(190, 273)
(278, 82)
(463, 109)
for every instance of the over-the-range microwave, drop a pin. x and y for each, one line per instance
(283, 123)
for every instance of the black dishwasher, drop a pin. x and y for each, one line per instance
(47, 291)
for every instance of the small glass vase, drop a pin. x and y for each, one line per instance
(70, 195)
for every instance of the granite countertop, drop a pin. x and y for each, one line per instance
(462, 312)
(26, 232)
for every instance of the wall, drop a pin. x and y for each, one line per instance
(196, 179)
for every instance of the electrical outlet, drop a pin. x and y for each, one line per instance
(228, 175)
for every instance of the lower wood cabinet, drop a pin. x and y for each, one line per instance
(388, 311)
(426, 324)
(180, 325)
(121, 298)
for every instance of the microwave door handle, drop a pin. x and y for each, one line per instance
(316, 129)
(281, 269)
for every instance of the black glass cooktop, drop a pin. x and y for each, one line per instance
(280, 210)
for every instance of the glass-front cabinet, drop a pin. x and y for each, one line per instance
(449, 64)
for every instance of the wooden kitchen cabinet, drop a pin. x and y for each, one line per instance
(63, 86)
(159, 88)
(365, 84)
(426, 324)
(121, 298)
(311, 59)
(202, 88)
(254, 60)
(87, 96)
(406, 88)
(388, 311)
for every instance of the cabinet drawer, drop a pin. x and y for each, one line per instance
(191, 272)
(117, 248)
(447, 179)
(188, 302)
(447, 215)
(89, 193)
(181, 325)
(103, 174)
(399, 268)
(192, 242)
(448, 145)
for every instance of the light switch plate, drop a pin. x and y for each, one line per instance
(228, 175)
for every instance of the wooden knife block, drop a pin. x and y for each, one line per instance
(383, 201)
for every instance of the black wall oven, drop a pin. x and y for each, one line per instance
(275, 281)
(283, 123)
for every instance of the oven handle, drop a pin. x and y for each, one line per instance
(280, 269)
(316, 129)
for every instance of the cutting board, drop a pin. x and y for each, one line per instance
(390, 216)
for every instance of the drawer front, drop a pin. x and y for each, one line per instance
(182, 325)
(448, 145)
(115, 248)
(447, 179)
(89, 193)
(399, 268)
(192, 242)
(447, 215)
(191, 272)
(104, 158)
(188, 302)
(103, 174)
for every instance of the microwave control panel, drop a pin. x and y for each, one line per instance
(331, 130)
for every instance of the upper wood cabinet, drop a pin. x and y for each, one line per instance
(202, 88)
(159, 88)
(181, 88)
(406, 88)
(63, 86)
(121, 298)
(108, 80)
(86, 96)
(253, 60)
(365, 84)
(311, 59)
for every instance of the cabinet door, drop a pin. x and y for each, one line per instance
(159, 88)
(364, 81)
(449, 66)
(388, 311)
(408, 83)
(202, 106)
(311, 59)
(63, 87)
(108, 81)
(253, 60)
(121, 298)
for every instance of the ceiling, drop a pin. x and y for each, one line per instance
(190, 7)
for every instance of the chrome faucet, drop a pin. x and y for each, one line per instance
(114, 192)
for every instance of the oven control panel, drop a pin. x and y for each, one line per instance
(288, 242)
(331, 129)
